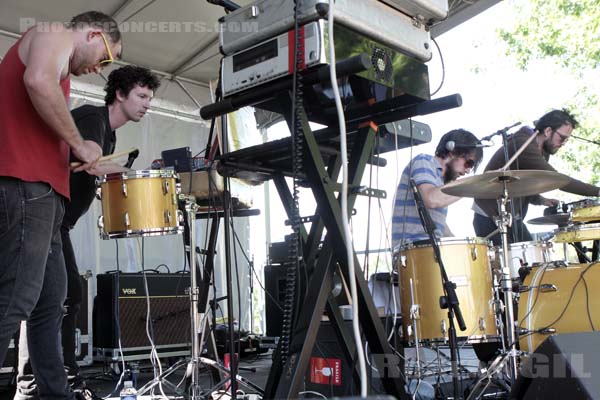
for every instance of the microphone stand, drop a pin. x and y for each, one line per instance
(504, 133)
(585, 140)
(449, 300)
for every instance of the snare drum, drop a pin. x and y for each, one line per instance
(526, 253)
(467, 265)
(555, 300)
(585, 211)
(139, 203)
(578, 233)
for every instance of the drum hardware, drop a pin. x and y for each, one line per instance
(192, 365)
(495, 369)
(474, 253)
(498, 185)
(449, 300)
(414, 316)
(443, 327)
(482, 324)
(545, 288)
(546, 331)
(507, 283)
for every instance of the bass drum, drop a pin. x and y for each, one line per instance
(467, 265)
(558, 300)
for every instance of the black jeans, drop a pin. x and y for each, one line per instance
(33, 282)
(26, 384)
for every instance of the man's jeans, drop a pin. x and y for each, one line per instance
(32, 278)
(26, 386)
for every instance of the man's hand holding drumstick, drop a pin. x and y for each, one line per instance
(88, 152)
(102, 165)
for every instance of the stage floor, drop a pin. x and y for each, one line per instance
(102, 379)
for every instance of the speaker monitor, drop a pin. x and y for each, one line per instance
(565, 366)
(120, 309)
(275, 282)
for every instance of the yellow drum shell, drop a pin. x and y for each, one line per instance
(467, 265)
(578, 233)
(585, 211)
(548, 302)
(139, 203)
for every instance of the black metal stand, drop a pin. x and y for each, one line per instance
(449, 300)
(321, 166)
(215, 214)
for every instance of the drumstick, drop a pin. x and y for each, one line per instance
(76, 164)
(505, 167)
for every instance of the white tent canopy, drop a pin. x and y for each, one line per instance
(178, 39)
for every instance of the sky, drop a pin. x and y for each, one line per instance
(495, 94)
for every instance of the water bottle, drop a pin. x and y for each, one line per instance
(128, 392)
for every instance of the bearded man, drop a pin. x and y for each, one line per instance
(552, 131)
(457, 154)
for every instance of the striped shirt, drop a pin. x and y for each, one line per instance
(406, 224)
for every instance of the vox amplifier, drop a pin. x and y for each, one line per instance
(120, 311)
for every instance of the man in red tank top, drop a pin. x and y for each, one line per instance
(36, 131)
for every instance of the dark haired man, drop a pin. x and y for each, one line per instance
(36, 131)
(129, 91)
(456, 155)
(552, 131)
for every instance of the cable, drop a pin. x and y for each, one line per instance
(587, 305)
(564, 310)
(443, 68)
(344, 203)
(297, 143)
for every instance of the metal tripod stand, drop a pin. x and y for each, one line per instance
(193, 363)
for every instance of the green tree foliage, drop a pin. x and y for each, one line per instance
(566, 32)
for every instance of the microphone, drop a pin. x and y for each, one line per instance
(451, 145)
(500, 132)
(226, 4)
(426, 221)
(132, 156)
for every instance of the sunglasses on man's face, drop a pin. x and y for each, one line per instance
(469, 163)
(562, 137)
(109, 59)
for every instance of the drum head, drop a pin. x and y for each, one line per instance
(144, 173)
(444, 241)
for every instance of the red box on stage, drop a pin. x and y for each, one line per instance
(326, 371)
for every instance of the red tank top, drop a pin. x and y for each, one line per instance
(29, 149)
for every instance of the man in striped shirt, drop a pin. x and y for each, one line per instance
(456, 155)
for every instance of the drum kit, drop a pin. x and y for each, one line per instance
(147, 203)
(552, 296)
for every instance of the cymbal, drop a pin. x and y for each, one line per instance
(560, 219)
(519, 183)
